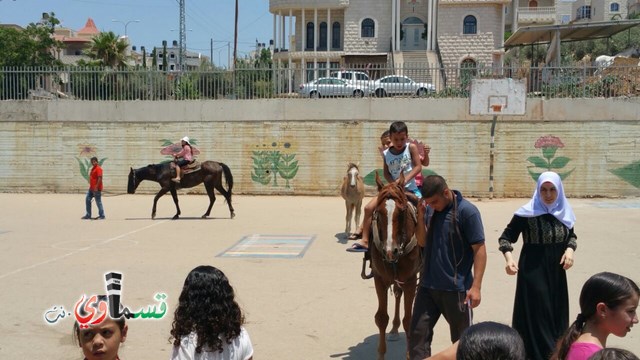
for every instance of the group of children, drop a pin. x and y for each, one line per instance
(207, 324)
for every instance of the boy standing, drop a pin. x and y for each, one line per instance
(401, 157)
(95, 190)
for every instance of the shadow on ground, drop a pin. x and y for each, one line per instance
(368, 349)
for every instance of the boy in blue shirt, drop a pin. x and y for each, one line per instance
(401, 157)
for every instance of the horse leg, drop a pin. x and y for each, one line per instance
(155, 201)
(395, 324)
(381, 317)
(212, 198)
(409, 296)
(358, 212)
(227, 197)
(174, 195)
(347, 227)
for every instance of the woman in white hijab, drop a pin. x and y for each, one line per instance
(541, 307)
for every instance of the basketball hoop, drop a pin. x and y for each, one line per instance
(496, 108)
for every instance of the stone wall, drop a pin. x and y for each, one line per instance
(294, 146)
(380, 12)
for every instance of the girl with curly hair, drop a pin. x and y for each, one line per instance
(207, 323)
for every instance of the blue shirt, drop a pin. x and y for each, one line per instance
(445, 248)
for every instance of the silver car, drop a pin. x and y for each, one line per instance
(400, 85)
(332, 87)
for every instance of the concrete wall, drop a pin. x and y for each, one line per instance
(43, 142)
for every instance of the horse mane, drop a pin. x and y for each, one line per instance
(351, 165)
(393, 191)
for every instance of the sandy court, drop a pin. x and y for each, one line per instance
(312, 307)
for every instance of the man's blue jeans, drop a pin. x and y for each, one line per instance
(98, 196)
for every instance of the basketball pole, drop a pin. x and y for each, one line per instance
(491, 155)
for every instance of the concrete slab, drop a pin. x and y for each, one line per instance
(313, 307)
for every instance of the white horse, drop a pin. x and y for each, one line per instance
(352, 192)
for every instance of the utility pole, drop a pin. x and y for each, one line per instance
(211, 55)
(235, 39)
(183, 37)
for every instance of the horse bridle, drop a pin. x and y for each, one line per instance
(405, 247)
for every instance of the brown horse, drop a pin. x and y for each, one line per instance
(210, 174)
(395, 256)
(352, 192)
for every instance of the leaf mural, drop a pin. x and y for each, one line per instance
(549, 146)
(87, 151)
(269, 164)
(629, 173)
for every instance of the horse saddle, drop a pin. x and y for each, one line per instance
(191, 167)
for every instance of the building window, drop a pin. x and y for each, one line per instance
(335, 35)
(583, 12)
(172, 56)
(470, 25)
(368, 28)
(323, 36)
(615, 7)
(565, 19)
(310, 36)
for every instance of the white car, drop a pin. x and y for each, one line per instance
(332, 87)
(400, 85)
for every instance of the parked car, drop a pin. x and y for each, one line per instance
(400, 85)
(330, 86)
(351, 76)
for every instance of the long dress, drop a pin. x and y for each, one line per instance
(541, 307)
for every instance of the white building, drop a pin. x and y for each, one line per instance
(318, 34)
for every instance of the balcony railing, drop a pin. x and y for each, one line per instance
(541, 14)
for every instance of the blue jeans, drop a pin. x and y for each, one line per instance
(98, 196)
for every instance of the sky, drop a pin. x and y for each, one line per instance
(159, 20)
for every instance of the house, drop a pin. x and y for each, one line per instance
(192, 60)
(76, 42)
(318, 35)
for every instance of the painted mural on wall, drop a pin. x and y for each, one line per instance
(169, 148)
(549, 146)
(629, 173)
(274, 160)
(87, 151)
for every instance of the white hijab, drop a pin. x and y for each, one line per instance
(560, 209)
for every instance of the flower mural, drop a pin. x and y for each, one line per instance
(87, 151)
(269, 164)
(549, 145)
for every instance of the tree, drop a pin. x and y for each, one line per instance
(33, 46)
(109, 50)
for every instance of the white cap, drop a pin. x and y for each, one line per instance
(186, 139)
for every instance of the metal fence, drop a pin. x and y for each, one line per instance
(75, 83)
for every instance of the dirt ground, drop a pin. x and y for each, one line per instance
(312, 307)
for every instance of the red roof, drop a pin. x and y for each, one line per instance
(89, 28)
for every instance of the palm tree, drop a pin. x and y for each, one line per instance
(109, 50)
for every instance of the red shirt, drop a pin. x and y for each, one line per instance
(96, 172)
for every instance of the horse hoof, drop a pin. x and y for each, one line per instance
(204, 216)
(233, 215)
(175, 217)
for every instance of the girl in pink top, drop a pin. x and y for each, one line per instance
(184, 157)
(608, 304)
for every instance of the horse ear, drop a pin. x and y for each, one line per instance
(379, 182)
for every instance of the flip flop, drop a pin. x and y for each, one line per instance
(355, 236)
(357, 247)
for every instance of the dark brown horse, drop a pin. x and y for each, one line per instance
(210, 174)
(395, 256)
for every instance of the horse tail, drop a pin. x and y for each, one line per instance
(228, 178)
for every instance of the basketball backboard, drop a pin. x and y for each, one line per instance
(498, 97)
